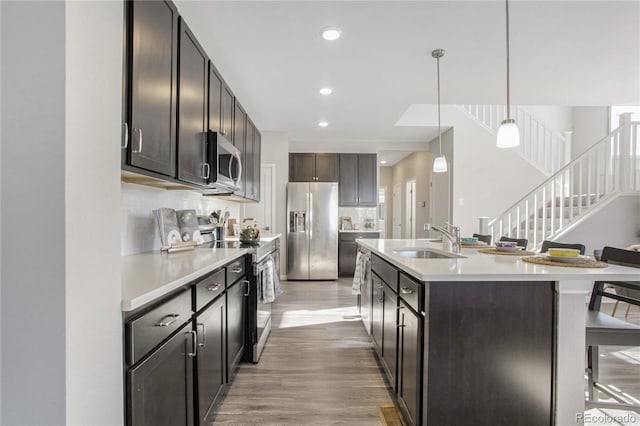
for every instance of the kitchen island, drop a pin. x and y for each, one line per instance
(491, 339)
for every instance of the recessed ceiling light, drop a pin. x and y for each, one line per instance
(383, 161)
(326, 91)
(323, 124)
(331, 34)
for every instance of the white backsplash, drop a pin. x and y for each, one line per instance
(139, 230)
(358, 216)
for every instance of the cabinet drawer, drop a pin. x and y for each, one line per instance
(146, 332)
(209, 288)
(235, 271)
(385, 271)
(352, 236)
(411, 292)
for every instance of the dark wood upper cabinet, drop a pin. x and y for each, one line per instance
(215, 99)
(252, 159)
(327, 167)
(313, 167)
(226, 113)
(192, 109)
(239, 140)
(367, 180)
(358, 180)
(152, 44)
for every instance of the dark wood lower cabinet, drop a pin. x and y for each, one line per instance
(236, 308)
(161, 386)
(347, 250)
(211, 358)
(466, 353)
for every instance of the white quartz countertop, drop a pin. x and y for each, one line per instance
(149, 276)
(359, 230)
(482, 267)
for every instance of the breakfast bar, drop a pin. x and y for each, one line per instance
(500, 337)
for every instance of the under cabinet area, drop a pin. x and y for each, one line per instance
(182, 350)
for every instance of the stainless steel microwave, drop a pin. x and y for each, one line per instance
(225, 162)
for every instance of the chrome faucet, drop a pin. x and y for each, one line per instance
(450, 234)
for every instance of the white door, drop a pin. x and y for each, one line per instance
(410, 209)
(396, 218)
(382, 216)
(264, 211)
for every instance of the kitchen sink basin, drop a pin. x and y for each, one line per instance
(426, 253)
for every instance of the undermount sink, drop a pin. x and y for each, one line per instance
(426, 253)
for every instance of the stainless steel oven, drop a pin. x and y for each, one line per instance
(259, 312)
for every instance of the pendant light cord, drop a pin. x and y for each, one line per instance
(439, 131)
(508, 84)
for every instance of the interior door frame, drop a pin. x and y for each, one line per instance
(410, 208)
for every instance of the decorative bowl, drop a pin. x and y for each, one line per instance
(564, 252)
(469, 240)
(509, 244)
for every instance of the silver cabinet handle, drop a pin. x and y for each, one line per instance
(167, 320)
(214, 287)
(236, 270)
(203, 334)
(406, 290)
(207, 167)
(248, 287)
(401, 326)
(223, 132)
(125, 127)
(194, 344)
(139, 150)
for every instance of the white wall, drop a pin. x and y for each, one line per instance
(139, 230)
(617, 224)
(355, 147)
(442, 183)
(33, 214)
(486, 180)
(556, 118)
(93, 333)
(590, 124)
(275, 150)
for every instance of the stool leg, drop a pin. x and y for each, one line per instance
(626, 314)
(615, 307)
(594, 376)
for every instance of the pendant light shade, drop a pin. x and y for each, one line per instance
(440, 162)
(508, 133)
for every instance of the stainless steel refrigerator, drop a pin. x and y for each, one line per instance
(312, 231)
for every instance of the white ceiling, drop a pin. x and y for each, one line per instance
(392, 157)
(272, 55)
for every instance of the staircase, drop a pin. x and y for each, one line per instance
(610, 167)
(545, 149)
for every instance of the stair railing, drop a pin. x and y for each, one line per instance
(544, 148)
(609, 166)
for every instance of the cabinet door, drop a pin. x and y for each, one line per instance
(210, 325)
(390, 334)
(153, 50)
(257, 162)
(192, 107)
(249, 170)
(367, 180)
(226, 114)
(348, 188)
(215, 99)
(160, 389)
(326, 168)
(347, 257)
(301, 167)
(409, 363)
(235, 324)
(377, 313)
(239, 140)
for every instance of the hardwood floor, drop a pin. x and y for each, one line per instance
(318, 366)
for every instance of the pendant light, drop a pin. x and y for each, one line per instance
(508, 133)
(440, 162)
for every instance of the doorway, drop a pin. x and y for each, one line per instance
(396, 217)
(410, 209)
